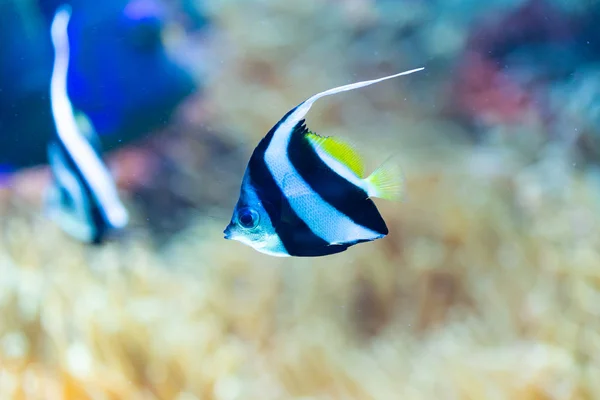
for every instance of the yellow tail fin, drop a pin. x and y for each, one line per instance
(387, 181)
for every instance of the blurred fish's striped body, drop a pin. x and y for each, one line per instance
(83, 198)
(306, 195)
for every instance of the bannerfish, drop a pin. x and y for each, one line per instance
(136, 103)
(305, 195)
(82, 198)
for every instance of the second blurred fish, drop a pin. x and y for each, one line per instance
(121, 73)
(82, 198)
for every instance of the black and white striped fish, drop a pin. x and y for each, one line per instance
(82, 198)
(306, 195)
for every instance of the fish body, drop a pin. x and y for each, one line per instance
(127, 95)
(82, 198)
(306, 195)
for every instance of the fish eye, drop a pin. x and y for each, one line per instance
(248, 218)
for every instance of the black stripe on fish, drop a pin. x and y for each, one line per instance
(347, 198)
(297, 238)
(98, 216)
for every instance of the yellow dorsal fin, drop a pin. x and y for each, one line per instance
(87, 131)
(83, 122)
(338, 149)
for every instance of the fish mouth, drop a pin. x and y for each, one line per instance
(227, 233)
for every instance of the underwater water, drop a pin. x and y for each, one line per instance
(487, 285)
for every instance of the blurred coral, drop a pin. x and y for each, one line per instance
(475, 294)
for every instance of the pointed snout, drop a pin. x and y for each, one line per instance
(227, 232)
